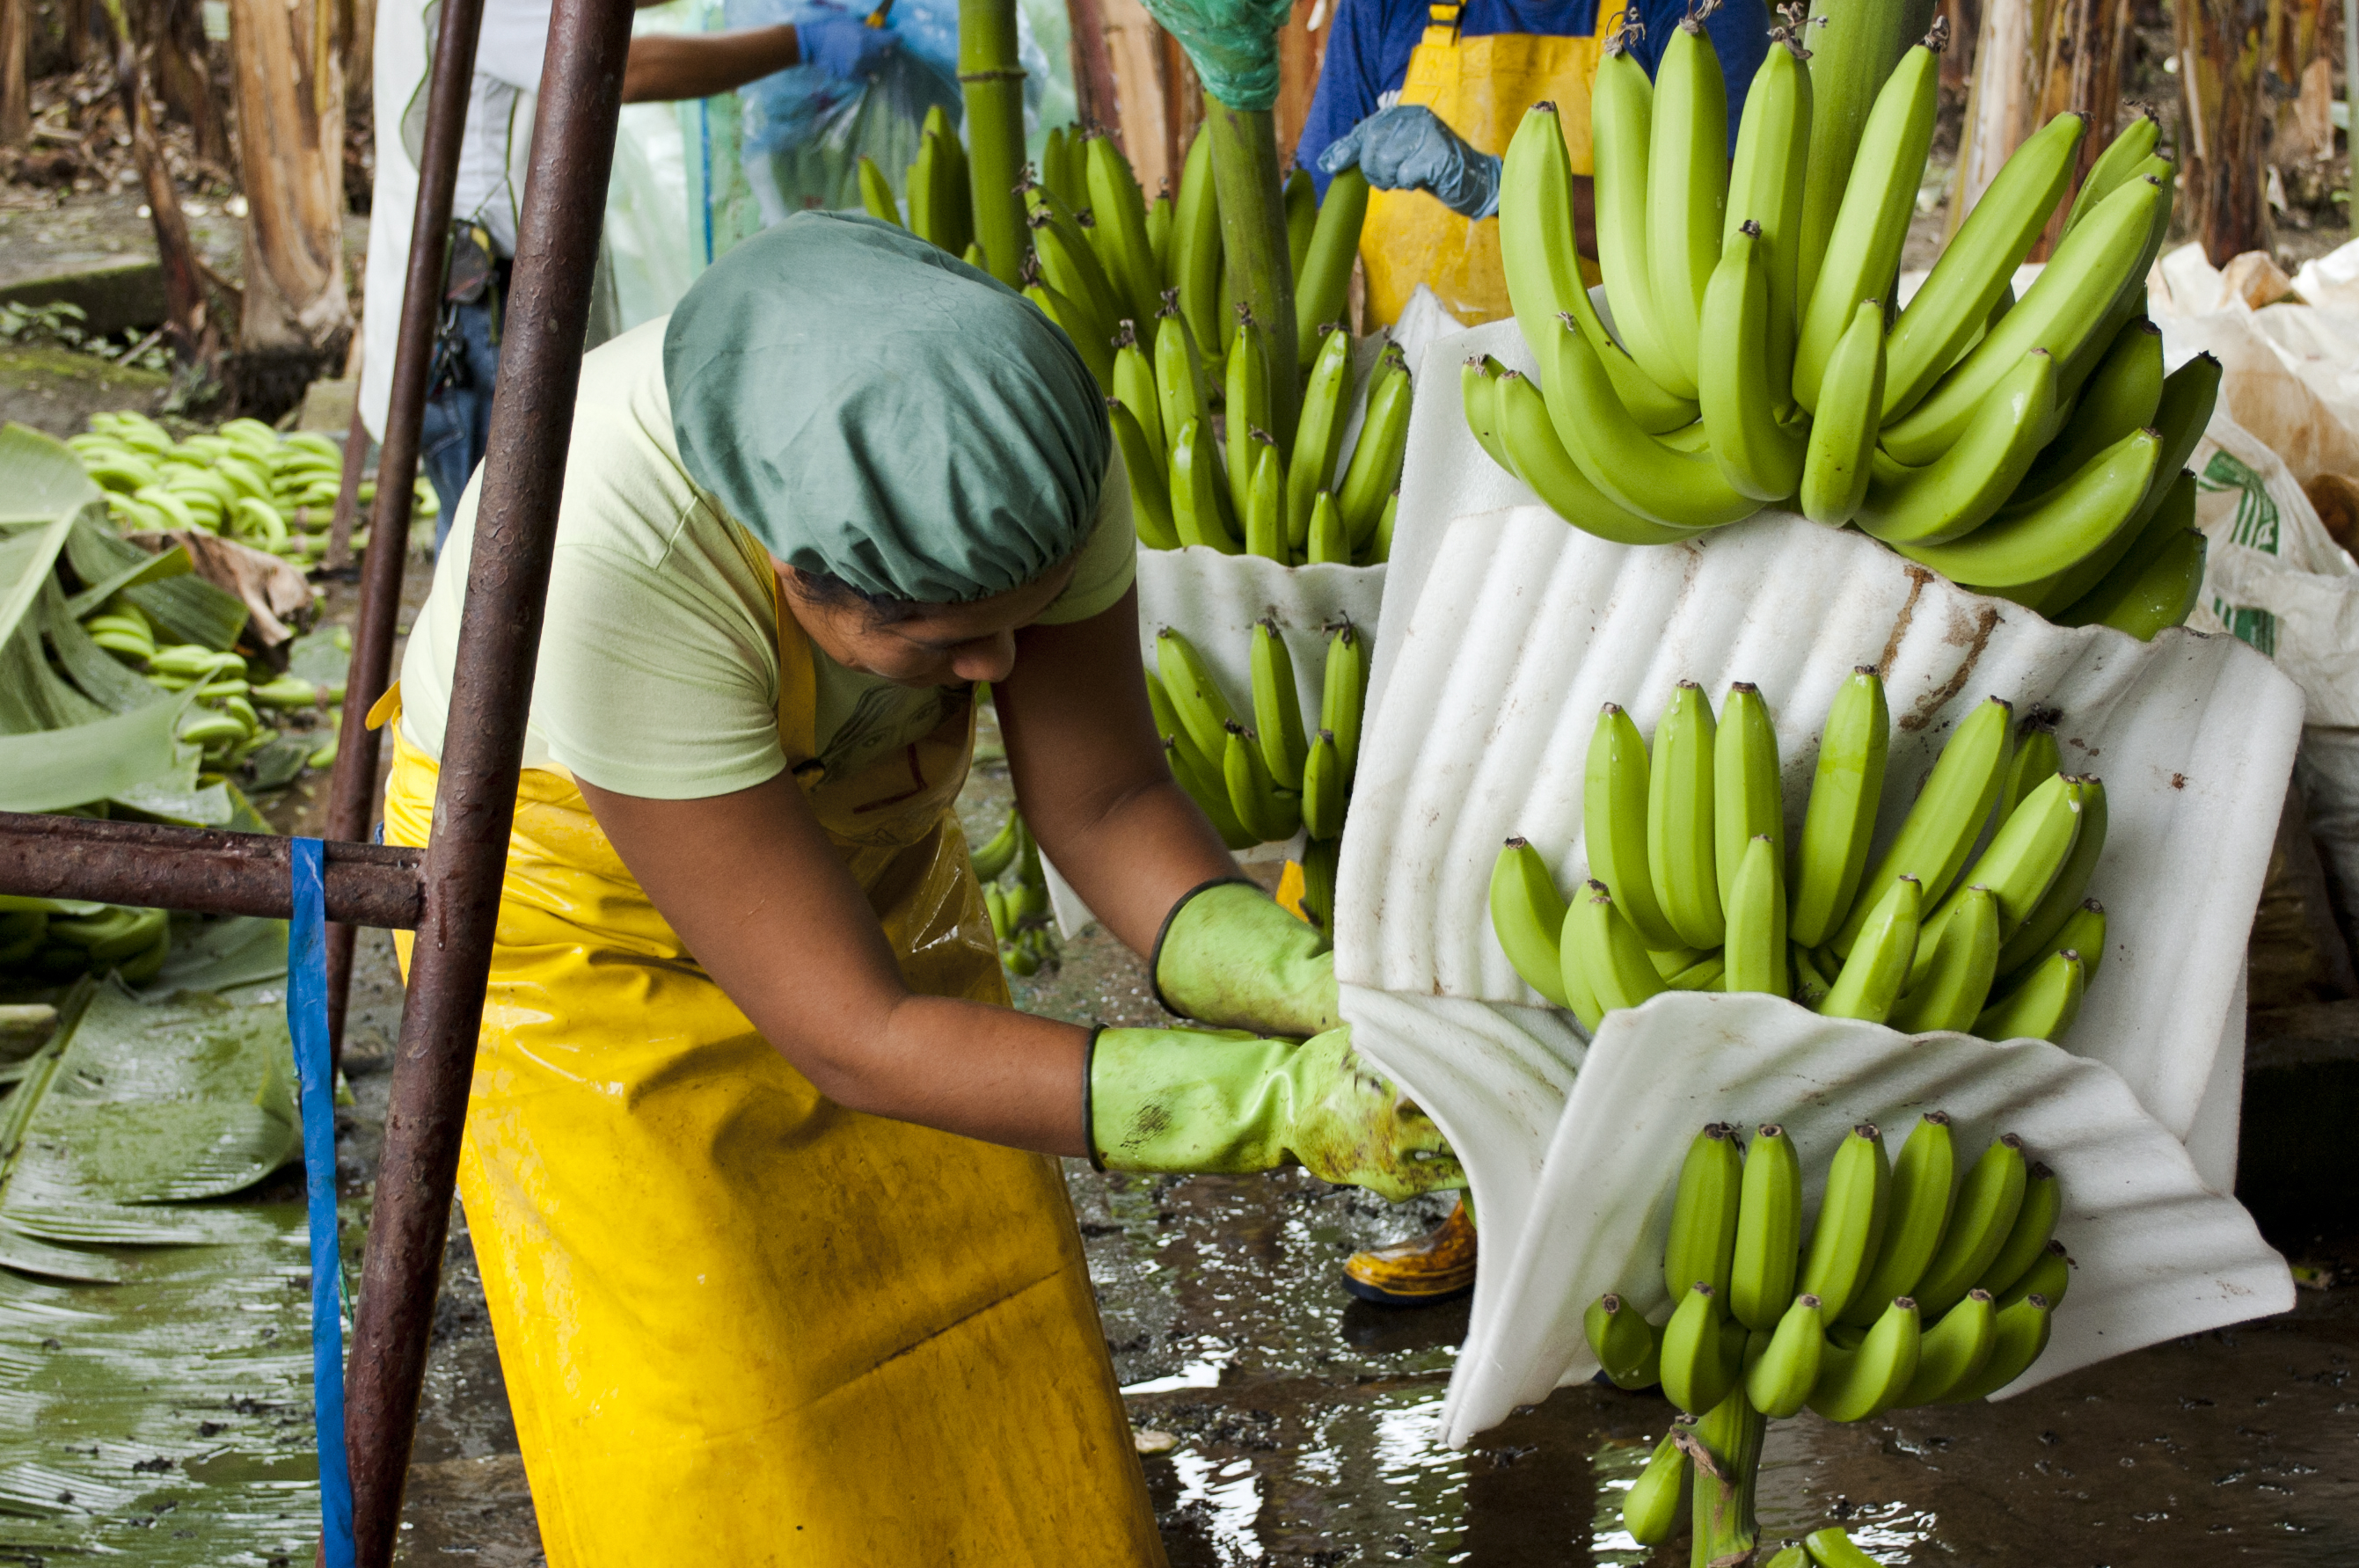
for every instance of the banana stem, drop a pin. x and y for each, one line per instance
(990, 82)
(1852, 49)
(1254, 245)
(1726, 1529)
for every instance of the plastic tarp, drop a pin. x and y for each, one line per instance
(1506, 629)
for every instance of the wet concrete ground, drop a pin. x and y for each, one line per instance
(1303, 1421)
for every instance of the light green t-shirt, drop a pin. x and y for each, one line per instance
(659, 667)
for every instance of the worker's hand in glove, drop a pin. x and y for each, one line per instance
(1183, 1101)
(1407, 148)
(1228, 955)
(842, 45)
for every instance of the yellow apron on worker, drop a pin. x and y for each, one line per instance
(1480, 89)
(739, 1324)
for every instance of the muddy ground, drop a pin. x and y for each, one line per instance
(1304, 1420)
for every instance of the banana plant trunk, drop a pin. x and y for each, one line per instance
(16, 91)
(196, 344)
(1726, 1451)
(1259, 267)
(991, 79)
(297, 320)
(1853, 47)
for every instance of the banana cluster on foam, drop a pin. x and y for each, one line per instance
(1922, 1284)
(2029, 448)
(1263, 782)
(1692, 886)
(1020, 913)
(49, 942)
(243, 482)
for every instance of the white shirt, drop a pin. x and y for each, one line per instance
(493, 150)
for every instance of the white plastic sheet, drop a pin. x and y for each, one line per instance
(2159, 1254)
(1506, 629)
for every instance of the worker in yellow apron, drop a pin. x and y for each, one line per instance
(758, 1164)
(1424, 99)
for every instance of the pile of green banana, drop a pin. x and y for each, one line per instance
(243, 482)
(1262, 783)
(1830, 1548)
(1020, 919)
(49, 942)
(2028, 449)
(225, 719)
(1920, 1285)
(1692, 885)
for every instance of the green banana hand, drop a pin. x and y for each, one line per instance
(1779, 1384)
(2019, 1336)
(2122, 395)
(1852, 1218)
(1953, 1350)
(1605, 950)
(1759, 454)
(1638, 471)
(1277, 710)
(2043, 1006)
(1857, 1384)
(1704, 1214)
(1656, 1502)
(1621, 119)
(1958, 974)
(1877, 968)
(2028, 1239)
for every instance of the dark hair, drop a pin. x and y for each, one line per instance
(829, 589)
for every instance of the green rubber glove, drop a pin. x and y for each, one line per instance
(1229, 956)
(1188, 1101)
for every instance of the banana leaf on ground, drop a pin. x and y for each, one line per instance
(155, 1398)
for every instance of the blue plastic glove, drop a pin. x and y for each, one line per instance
(842, 45)
(1407, 148)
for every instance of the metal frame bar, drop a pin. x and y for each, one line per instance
(483, 747)
(450, 896)
(352, 788)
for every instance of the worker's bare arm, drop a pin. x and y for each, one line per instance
(1091, 776)
(762, 898)
(662, 67)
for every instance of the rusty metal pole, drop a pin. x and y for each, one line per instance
(352, 787)
(483, 748)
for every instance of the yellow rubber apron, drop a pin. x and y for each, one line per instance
(1480, 89)
(739, 1324)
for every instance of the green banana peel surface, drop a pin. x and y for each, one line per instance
(1225, 1103)
(1231, 957)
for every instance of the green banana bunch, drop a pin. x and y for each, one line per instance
(998, 851)
(1640, 472)
(1200, 495)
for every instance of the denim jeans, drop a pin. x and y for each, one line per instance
(457, 425)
